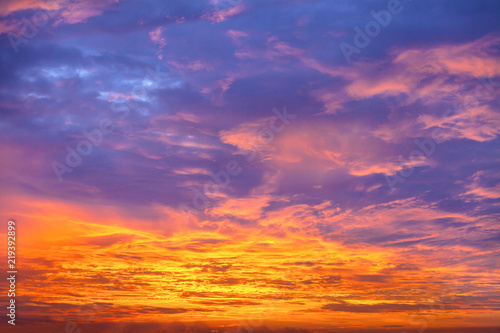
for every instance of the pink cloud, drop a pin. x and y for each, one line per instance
(221, 14)
(478, 191)
(479, 124)
(64, 11)
(318, 147)
(236, 35)
(471, 59)
(410, 67)
(10, 6)
(156, 37)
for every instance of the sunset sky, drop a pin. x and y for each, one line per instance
(251, 166)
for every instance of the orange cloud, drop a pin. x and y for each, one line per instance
(100, 265)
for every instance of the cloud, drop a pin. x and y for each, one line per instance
(156, 37)
(54, 11)
(367, 308)
(483, 185)
(224, 9)
(476, 123)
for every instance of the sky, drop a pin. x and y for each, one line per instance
(251, 166)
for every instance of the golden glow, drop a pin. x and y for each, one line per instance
(94, 264)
